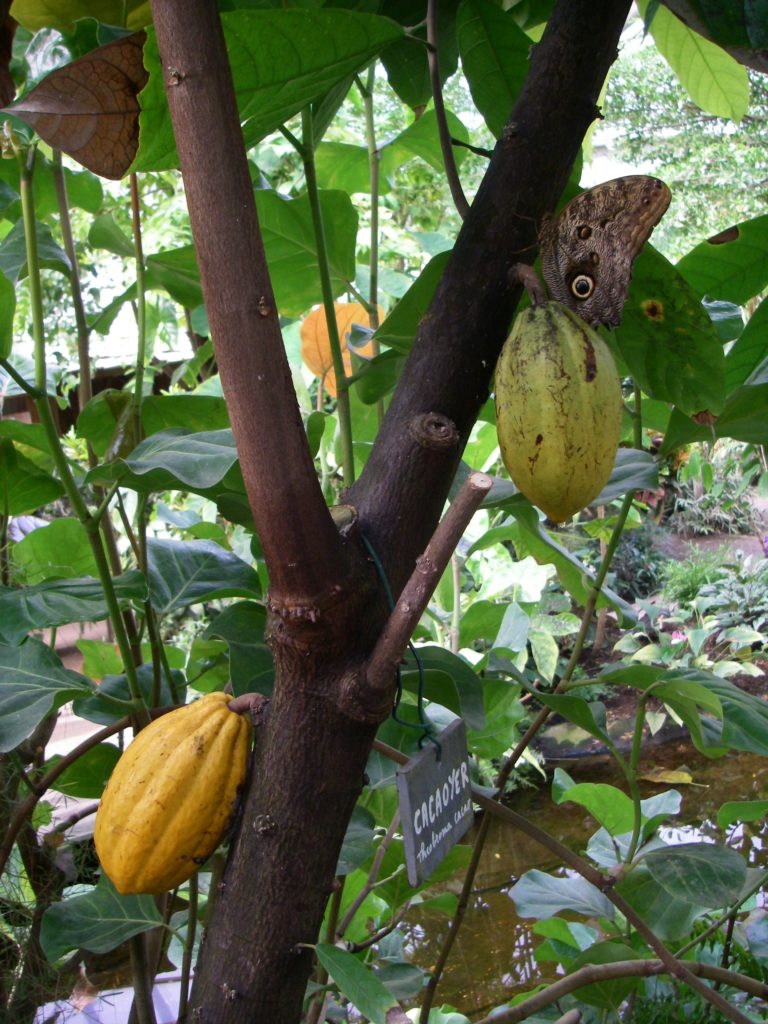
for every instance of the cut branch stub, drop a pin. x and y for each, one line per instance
(89, 109)
(431, 430)
(370, 698)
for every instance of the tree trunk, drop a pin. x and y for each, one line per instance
(326, 605)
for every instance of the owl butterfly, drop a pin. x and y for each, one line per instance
(588, 248)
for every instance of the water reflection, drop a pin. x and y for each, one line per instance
(493, 957)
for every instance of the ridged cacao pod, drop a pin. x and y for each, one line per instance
(558, 409)
(172, 795)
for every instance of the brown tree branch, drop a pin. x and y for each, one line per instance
(449, 159)
(303, 551)
(374, 692)
(592, 973)
(452, 361)
(604, 883)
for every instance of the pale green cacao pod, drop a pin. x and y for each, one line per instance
(558, 409)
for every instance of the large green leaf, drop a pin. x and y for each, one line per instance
(701, 874)
(669, 916)
(57, 602)
(743, 417)
(35, 14)
(59, 550)
(174, 458)
(251, 666)
(448, 680)
(358, 842)
(405, 60)
(99, 920)
(341, 165)
(717, 713)
(13, 253)
(667, 340)
(175, 271)
(733, 265)
(421, 139)
(611, 993)
(185, 572)
(89, 774)
(608, 805)
(531, 538)
(108, 705)
(281, 61)
(33, 682)
(749, 350)
(494, 56)
(538, 894)
(740, 23)
(357, 982)
(712, 78)
(503, 714)
(201, 413)
(291, 247)
(24, 487)
(633, 470)
(398, 331)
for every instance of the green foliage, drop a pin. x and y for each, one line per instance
(739, 597)
(653, 122)
(178, 559)
(683, 579)
(723, 509)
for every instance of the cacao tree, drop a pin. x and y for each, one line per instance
(197, 84)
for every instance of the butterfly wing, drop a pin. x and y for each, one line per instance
(588, 249)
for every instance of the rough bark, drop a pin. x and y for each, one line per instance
(326, 607)
(451, 365)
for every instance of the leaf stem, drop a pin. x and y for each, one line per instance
(307, 153)
(451, 170)
(46, 419)
(141, 303)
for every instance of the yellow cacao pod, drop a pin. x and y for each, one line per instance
(558, 409)
(172, 795)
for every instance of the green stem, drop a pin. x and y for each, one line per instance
(45, 415)
(634, 761)
(374, 160)
(637, 418)
(307, 153)
(456, 611)
(84, 389)
(141, 303)
(189, 947)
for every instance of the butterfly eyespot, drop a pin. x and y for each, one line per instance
(584, 231)
(582, 286)
(594, 258)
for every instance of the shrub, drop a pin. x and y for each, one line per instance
(682, 581)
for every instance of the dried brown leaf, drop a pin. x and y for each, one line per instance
(89, 109)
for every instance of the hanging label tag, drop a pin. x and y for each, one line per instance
(435, 801)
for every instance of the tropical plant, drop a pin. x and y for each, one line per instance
(197, 515)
